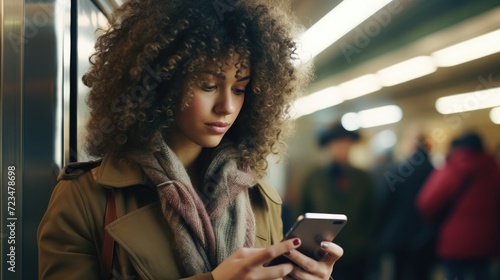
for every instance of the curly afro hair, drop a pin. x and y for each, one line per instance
(152, 48)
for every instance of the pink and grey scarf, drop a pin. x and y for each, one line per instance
(210, 224)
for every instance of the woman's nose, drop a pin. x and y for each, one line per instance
(225, 103)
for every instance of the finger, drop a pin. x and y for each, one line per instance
(275, 272)
(247, 252)
(332, 250)
(304, 262)
(272, 252)
(299, 273)
(321, 272)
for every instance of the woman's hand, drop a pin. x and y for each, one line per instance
(248, 263)
(308, 268)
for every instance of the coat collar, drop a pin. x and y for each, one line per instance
(118, 173)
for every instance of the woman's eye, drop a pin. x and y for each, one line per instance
(206, 87)
(239, 91)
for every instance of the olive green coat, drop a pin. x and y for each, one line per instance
(70, 233)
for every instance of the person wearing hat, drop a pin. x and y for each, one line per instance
(340, 187)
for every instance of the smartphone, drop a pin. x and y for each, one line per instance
(312, 229)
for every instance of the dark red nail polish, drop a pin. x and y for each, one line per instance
(296, 242)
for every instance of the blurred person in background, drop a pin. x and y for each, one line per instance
(340, 187)
(468, 238)
(404, 238)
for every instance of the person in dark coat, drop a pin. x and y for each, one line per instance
(468, 240)
(403, 235)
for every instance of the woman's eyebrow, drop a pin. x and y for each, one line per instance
(217, 75)
(222, 76)
(243, 78)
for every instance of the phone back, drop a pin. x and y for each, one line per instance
(313, 228)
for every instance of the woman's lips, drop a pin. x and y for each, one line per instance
(218, 127)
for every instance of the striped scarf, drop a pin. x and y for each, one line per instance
(210, 224)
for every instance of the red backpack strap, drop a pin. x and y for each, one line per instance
(107, 241)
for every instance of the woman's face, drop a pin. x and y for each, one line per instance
(212, 109)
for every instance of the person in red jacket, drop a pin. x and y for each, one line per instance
(468, 239)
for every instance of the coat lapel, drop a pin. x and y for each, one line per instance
(145, 236)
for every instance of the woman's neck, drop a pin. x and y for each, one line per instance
(194, 172)
(189, 156)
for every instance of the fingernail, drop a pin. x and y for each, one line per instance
(296, 242)
(287, 254)
(324, 245)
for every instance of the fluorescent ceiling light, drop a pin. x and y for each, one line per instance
(380, 116)
(407, 70)
(495, 115)
(360, 86)
(316, 101)
(465, 102)
(383, 140)
(474, 48)
(350, 121)
(338, 22)
(372, 117)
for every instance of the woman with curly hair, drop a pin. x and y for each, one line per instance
(187, 100)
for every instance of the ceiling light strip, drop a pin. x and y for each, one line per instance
(339, 21)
